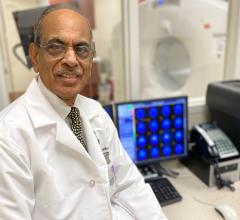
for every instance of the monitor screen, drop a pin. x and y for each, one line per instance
(109, 109)
(153, 130)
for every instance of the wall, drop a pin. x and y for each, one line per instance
(107, 15)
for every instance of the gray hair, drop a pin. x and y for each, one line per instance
(49, 9)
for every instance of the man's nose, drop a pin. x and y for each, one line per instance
(70, 57)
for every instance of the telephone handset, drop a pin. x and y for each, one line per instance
(213, 142)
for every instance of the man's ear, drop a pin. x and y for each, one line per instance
(33, 54)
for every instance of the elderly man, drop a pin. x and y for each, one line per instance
(60, 155)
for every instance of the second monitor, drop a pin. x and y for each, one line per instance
(153, 130)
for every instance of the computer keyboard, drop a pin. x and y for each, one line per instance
(164, 191)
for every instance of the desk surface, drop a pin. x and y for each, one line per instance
(198, 199)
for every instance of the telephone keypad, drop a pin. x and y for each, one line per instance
(225, 148)
(224, 145)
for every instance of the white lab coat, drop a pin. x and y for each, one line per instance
(46, 174)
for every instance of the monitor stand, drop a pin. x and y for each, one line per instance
(155, 170)
(166, 171)
(148, 171)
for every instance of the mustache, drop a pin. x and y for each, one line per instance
(66, 72)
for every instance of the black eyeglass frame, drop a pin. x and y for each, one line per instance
(62, 49)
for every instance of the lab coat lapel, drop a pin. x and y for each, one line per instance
(65, 136)
(93, 144)
(43, 115)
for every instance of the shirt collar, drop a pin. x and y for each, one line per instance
(58, 104)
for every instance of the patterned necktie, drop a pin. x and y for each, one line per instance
(76, 125)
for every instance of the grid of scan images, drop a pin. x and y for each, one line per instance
(159, 131)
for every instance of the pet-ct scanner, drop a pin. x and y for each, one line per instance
(181, 45)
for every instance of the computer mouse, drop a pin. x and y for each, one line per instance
(226, 211)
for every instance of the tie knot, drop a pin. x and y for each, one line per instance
(74, 113)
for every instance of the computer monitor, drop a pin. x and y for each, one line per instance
(25, 20)
(153, 130)
(110, 110)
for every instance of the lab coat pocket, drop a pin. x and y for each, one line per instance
(72, 206)
(47, 211)
(48, 208)
(47, 194)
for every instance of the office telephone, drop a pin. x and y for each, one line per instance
(212, 142)
(214, 146)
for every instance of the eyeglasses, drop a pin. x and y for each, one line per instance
(59, 50)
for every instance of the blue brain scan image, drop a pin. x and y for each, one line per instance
(178, 109)
(142, 154)
(166, 111)
(166, 137)
(167, 150)
(141, 141)
(178, 136)
(154, 140)
(178, 123)
(153, 126)
(179, 149)
(153, 112)
(155, 152)
(141, 127)
(140, 113)
(166, 124)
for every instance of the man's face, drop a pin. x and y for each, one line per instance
(65, 74)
